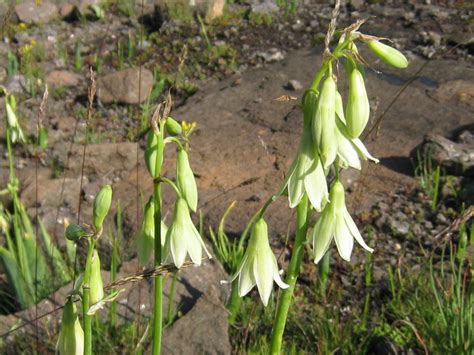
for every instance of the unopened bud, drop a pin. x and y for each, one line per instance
(74, 232)
(154, 150)
(173, 127)
(358, 107)
(102, 204)
(96, 285)
(71, 335)
(388, 54)
(185, 180)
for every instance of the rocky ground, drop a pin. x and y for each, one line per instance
(235, 66)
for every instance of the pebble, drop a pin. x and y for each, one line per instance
(294, 85)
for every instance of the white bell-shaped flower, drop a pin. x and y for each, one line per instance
(336, 223)
(307, 175)
(259, 265)
(183, 238)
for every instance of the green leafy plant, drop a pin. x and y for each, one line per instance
(429, 175)
(28, 265)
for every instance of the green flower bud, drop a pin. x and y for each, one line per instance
(154, 146)
(388, 54)
(102, 203)
(173, 127)
(12, 120)
(358, 107)
(74, 232)
(71, 335)
(43, 138)
(96, 285)
(185, 180)
(145, 241)
(325, 123)
(310, 104)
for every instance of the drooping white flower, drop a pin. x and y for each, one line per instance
(307, 175)
(259, 266)
(183, 238)
(336, 223)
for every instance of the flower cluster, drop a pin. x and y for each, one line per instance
(330, 142)
(182, 237)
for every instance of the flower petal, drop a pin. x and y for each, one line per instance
(263, 273)
(276, 275)
(362, 150)
(343, 238)
(346, 151)
(322, 235)
(246, 278)
(316, 186)
(355, 231)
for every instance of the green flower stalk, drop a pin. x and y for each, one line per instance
(336, 223)
(71, 335)
(183, 238)
(324, 123)
(102, 203)
(388, 54)
(96, 284)
(259, 265)
(185, 180)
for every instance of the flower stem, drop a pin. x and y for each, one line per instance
(171, 297)
(158, 297)
(158, 300)
(86, 291)
(293, 271)
(233, 304)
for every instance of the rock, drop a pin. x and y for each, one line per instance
(400, 227)
(382, 345)
(84, 6)
(205, 328)
(3, 74)
(357, 4)
(455, 158)
(264, 7)
(294, 85)
(272, 55)
(123, 86)
(15, 84)
(456, 91)
(62, 78)
(214, 9)
(33, 12)
(66, 11)
(463, 39)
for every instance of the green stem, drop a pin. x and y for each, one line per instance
(233, 304)
(293, 271)
(158, 301)
(10, 156)
(171, 297)
(86, 300)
